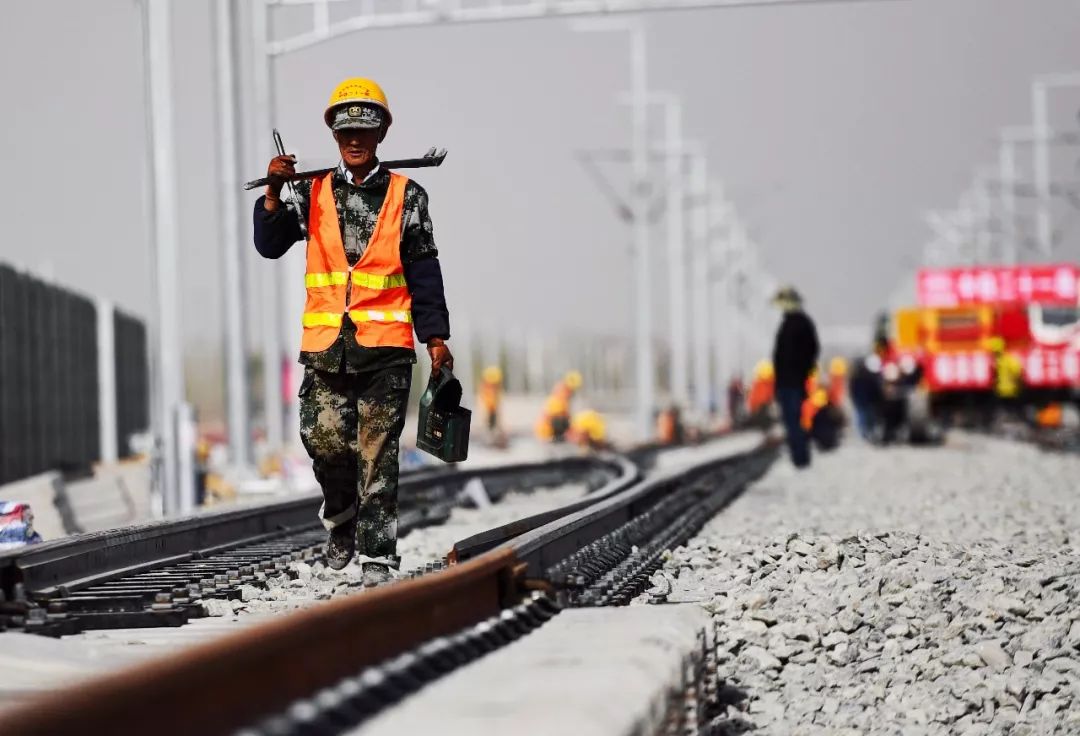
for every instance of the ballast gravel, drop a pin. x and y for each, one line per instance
(898, 590)
(307, 583)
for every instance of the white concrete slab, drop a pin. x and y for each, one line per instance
(586, 672)
(31, 663)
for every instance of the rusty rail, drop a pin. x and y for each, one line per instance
(238, 679)
(209, 689)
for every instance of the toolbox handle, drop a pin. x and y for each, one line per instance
(443, 391)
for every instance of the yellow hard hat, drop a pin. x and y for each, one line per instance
(493, 374)
(357, 91)
(764, 370)
(995, 344)
(573, 380)
(838, 366)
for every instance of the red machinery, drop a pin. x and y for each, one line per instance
(1032, 311)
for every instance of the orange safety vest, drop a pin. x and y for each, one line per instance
(490, 394)
(379, 303)
(761, 394)
(815, 402)
(837, 389)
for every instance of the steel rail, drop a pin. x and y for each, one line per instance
(87, 558)
(216, 687)
(477, 544)
(682, 502)
(241, 678)
(545, 546)
(634, 463)
(153, 574)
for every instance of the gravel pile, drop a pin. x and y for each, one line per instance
(896, 591)
(307, 584)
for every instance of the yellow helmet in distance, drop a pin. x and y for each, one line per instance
(573, 380)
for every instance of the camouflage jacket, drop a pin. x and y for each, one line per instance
(358, 208)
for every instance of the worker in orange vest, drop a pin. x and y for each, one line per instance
(554, 420)
(820, 417)
(372, 279)
(588, 430)
(491, 395)
(669, 429)
(762, 389)
(490, 400)
(813, 401)
(837, 381)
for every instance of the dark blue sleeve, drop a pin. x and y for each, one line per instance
(430, 315)
(275, 232)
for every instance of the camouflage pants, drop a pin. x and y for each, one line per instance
(350, 424)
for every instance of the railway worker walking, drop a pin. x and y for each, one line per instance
(373, 276)
(795, 356)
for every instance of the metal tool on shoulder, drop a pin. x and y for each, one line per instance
(292, 201)
(433, 157)
(443, 430)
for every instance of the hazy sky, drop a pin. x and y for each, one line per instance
(832, 127)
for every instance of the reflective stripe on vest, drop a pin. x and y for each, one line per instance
(375, 315)
(315, 280)
(379, 303)
(375, 281)
(322, 319)
(367, 280)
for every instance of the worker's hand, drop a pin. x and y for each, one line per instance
(279, 170)
(440, 355)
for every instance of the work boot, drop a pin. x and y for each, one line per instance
(380, 570)
(341, 545)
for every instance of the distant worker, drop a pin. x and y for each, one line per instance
(202, 470)
(816, 397)
(588, 429)
(794, 356)
(762, 392)
(838, 369)
(373, 276)
(736, 393)
(669, 426)
(1008, 378)
(491, 396)
(554, 421)
(820, 417)
(867, 397)
(882, 330)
